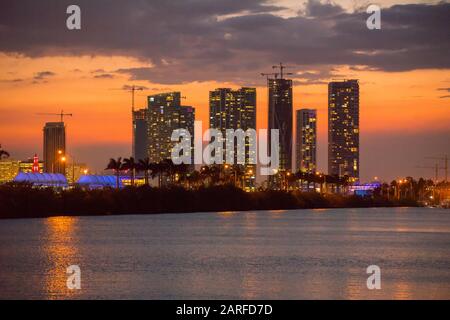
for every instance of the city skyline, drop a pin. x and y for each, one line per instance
(400, 97)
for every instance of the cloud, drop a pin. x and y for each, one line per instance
(444, 89)
(13, 80)
(104, 76)
(227, 40)
(315, 8)
(43, 75)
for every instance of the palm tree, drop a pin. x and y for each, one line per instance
(146, 166)
(131, 165)
(181, 170)
(3, 153)
(239, 174)
(193, 178)
(157, 169)
(115, 165)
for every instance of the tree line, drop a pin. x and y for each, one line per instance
(24, 201)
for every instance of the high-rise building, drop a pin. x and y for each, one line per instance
(166, 114)
(343, 128)
(306, 140)
(280, 117)
(140, 134)
(235, 109)
(54, 146)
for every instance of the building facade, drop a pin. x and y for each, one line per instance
(54, 146)
(306, 140)
(8, 170)
(235, 109)
(140, 134)
(74, 171)
(166, 114)
(280, 117)
(343, 128)
(32, 165)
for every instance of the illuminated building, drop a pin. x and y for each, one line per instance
(42, 179)
(31, 165)
(343, 128)
(166, 114)
(280, 117)
(75, 171)
(140, 134)
(306, 140)
(8, 170)
(54, 146)
(235, 109)
(98, 181)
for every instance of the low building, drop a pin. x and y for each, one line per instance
(31, 165)
(56, 180)
(98, 181)
(365, 189)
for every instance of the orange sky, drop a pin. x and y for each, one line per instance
(391, 104)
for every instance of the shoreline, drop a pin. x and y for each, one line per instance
(26, 202)
(194, 212)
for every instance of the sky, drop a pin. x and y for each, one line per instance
(194, 46)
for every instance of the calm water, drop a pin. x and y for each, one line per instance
(303, 254)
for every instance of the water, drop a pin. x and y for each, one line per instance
(300, 254)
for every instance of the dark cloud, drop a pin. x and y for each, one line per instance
(13, 80)
(444, 89)
(42, 75)
(315, 8)
(104, 76)
(228, 40)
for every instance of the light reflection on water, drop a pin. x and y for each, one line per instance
(60, 249)
(303, 254)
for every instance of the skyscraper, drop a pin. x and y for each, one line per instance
(280, 117)
(166, 114)
(54, 146)
(306, 140)
(343, 128)
(140, 134)
(235, 109)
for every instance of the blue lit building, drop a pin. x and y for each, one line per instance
(42, 179)
(98, 181)
(365, 189)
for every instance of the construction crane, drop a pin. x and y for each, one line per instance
(62, 114)
(133, 89)
(445, 168)
(282, 67)
(435, 168)
(267, 75)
